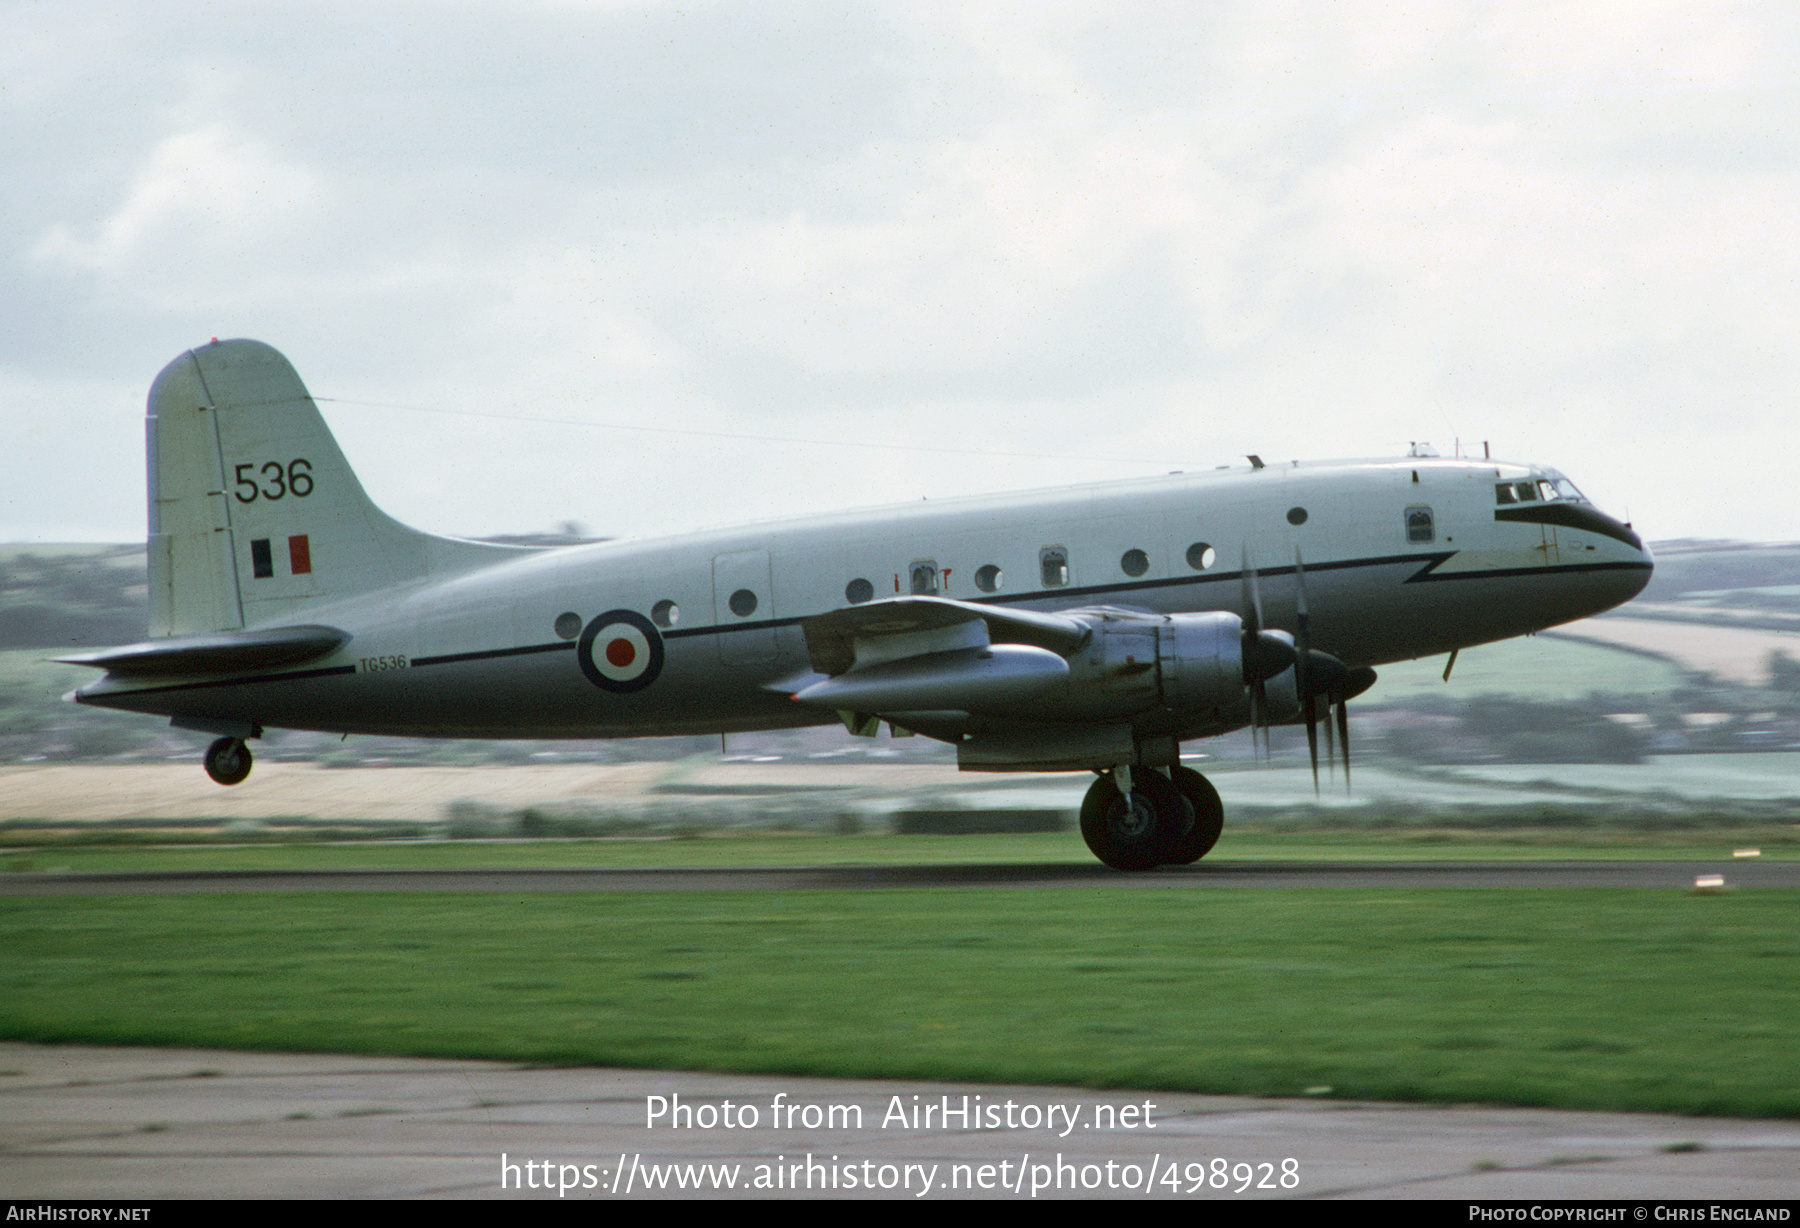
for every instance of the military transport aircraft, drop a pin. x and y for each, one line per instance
(1093, 628)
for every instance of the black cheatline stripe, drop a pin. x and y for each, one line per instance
(1431, 562)
(1429, 575)
(761, 624)
(488, 653)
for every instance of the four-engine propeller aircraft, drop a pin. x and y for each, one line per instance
(1094, 628)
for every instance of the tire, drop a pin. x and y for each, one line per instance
(1209, 817)
(228, 761)
(1135, 831)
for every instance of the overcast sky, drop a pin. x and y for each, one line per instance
(1016, 246)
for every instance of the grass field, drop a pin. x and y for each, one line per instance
(763, 849)
(1603, 999)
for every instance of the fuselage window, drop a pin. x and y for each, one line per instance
(1296, 516)
(1201, 556)
(1054, 562)
(988, 578)
(924, 573)
(858, 591)
(1134, 562)
(742, 603)
(568, 626)
(666, 614)
(1419, 531)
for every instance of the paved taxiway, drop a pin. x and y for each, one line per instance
(79, 1122)
(1463, 874)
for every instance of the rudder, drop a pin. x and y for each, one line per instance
(254, 512)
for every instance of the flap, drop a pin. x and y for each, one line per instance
(934, 624)
(222, 652)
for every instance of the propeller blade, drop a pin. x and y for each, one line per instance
(1343, 724)
(1303, 678)
(1309, 709)
(1330, 745)
(1253, 623)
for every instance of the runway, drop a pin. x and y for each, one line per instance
(80, 1122)
(1668, 875)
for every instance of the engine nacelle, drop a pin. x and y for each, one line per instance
(1115, 665)
(1134, 662)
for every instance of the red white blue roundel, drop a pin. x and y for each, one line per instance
(620, 651)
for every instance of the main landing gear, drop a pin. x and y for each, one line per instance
(1155, 820)
(228, 761)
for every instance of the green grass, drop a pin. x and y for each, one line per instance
(762, 849)
(1609, 999)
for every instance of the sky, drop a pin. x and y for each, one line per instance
(652, 266)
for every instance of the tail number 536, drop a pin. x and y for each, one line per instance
(277, 482)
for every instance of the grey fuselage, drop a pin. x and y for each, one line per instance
(488, 652)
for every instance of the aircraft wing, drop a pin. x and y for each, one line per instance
(220, 652)
(862, 635)
(934, 653)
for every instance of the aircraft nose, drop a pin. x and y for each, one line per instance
(1626, 577)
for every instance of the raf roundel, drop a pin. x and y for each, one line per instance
(620, 651)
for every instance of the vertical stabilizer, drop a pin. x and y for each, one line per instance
(254, 512)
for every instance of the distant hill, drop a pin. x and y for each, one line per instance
(72, 596)
(1724, 583)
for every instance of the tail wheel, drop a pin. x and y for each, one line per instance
(1136, 830)
(228, 761)
(1209, 817)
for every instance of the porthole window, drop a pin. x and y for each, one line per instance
(666, 614)
(1296, 515)
(743, 603)
(1134, 562)
(1201, 556)
(1419, 530)
(988, 578)
(858, 591)
(568, 626)
(1053, 562)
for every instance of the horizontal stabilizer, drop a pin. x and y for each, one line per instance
(832, 640)
(219, 653)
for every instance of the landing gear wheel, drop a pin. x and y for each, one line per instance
(228, 761)
(1209, 817)
(1136, 830)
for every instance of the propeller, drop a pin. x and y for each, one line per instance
(1321, 675)
(1254, 654)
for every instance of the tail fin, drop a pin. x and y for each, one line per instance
(254, 512)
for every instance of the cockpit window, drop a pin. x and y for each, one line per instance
(1544, 490)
